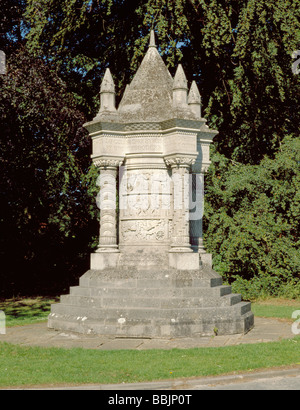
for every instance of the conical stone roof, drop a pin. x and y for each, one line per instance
(149, 97)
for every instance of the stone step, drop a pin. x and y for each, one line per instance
(152, 304)
(167, 281)
(230, 300)
(146, 313)
(153, 328)
(245, 307)
(149, 301)
(119, 292)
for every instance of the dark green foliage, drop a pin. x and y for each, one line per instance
(12, 25)
(46, 209)
(253, 222)
(83, 37)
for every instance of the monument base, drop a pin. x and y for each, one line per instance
(104, 260)
(184, 260)
(156, 303)
(174, 259)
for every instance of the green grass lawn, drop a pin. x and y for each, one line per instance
(20, 366)
(26, 366)
(276, 308)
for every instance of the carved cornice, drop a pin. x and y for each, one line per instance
(105, 162)
(180, 161)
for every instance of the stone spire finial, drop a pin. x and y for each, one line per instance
(152, 39)
(107, 93)
(108, 85)
(194, 100)
(180, 87)
(180, 81)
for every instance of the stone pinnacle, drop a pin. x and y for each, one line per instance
(194, 95)
(108, 85)
(152, 39)
(180, 81)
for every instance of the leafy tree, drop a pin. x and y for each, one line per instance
(239, 51)
(12, 25)
(83, 37)
(253, 222)
(46, 209)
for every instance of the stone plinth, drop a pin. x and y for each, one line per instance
(152, 304)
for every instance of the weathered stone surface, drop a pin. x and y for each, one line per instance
(183, 260)
(168, 303)
(149, 96)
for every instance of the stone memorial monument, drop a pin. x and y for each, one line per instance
(150, 276)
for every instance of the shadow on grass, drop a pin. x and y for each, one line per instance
(21, 311)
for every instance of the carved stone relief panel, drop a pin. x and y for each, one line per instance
(133, 231)
(145, 194)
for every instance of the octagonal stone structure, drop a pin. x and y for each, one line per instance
(151, 276)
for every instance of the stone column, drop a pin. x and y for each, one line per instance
(196, 216)
(196, 224)
(107, 203)
(180, 240)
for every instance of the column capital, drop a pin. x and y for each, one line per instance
(180, 160)
(107, 162)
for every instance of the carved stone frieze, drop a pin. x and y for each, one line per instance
(107, 162)
(144, 230)
(180, 161)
